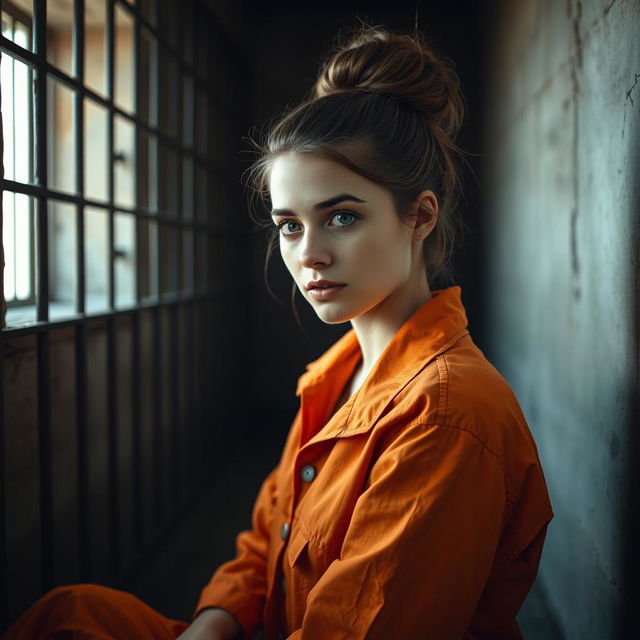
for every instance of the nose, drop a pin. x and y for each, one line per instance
(314, 252)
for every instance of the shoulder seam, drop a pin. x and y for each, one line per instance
(456, 426)
(509, 497)
(443, 390)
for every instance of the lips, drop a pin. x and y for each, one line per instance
(323, 284)
(322, 292)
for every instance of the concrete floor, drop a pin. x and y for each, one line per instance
(172, 580)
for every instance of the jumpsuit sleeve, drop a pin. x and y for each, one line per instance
(420, 544)
(239, 585)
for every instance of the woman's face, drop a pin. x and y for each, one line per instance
(336, 225)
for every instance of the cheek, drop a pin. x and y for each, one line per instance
(288, 258)
(385, 255)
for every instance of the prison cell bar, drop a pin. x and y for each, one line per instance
(200, 296)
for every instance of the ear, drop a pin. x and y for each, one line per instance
(426, 210)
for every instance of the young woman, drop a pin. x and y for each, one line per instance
(409, 501)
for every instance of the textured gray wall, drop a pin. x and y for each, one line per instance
(563, 135)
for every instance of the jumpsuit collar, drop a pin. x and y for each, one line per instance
(429, 331)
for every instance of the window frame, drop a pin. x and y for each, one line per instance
(201, 232)
(17, 15)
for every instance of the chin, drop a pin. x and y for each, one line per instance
(331, 316)
(332, 321)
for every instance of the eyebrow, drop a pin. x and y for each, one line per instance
(320, 205)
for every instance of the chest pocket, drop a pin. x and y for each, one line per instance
(306, 556)
(298, 574)
(298, 543)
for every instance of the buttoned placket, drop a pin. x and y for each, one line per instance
(307, 475)
(313, 424)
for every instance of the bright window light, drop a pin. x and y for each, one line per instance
(17, 228)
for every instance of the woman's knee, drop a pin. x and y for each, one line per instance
(57, 607)
(73, 592)
(95, 611)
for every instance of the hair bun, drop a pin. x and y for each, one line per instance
(376, 60)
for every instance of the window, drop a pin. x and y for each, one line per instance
(17, 119)
(113, 196)
(102, 160)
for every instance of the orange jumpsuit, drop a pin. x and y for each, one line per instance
(417, 511)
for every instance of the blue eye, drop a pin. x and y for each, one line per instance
(350, 217)
(343, 218)
(285, 224)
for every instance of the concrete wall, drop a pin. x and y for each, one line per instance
(563, 134)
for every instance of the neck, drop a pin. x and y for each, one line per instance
(376, 328)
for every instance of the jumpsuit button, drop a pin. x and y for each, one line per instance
(281, 635)
(308, 472)
(284, 532)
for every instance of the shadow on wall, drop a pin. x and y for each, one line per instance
(630, 553)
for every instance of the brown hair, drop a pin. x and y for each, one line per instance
(387, 107)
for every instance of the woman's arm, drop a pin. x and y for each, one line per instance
(212, 624)
(240, 585)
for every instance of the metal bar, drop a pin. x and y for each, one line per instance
(82, 451)
(153, 157)
(12, 133)
(209, 434)
(32, 257)
(4, 548)
(178, 312)
(191, 416)
(173, 200)
(136, 143)
(136, 411)
(112, 426)
(138, 501)
(30, 59)
(171, 179)
(112, 420)
(42, 310)
(32, 205)
(203, 396)
(73, 84)
(78, 58)
(165, 355)
(45, 474)
(82, 446)
(180, 29)
(194, 107)
(174, 417)
(39, 191)
(110, 86)
(159, 443)
(165, 301)
(42, 295)
(158, 440)
(222, 170)
(197, 395)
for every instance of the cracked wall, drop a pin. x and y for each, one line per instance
(563, 140)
